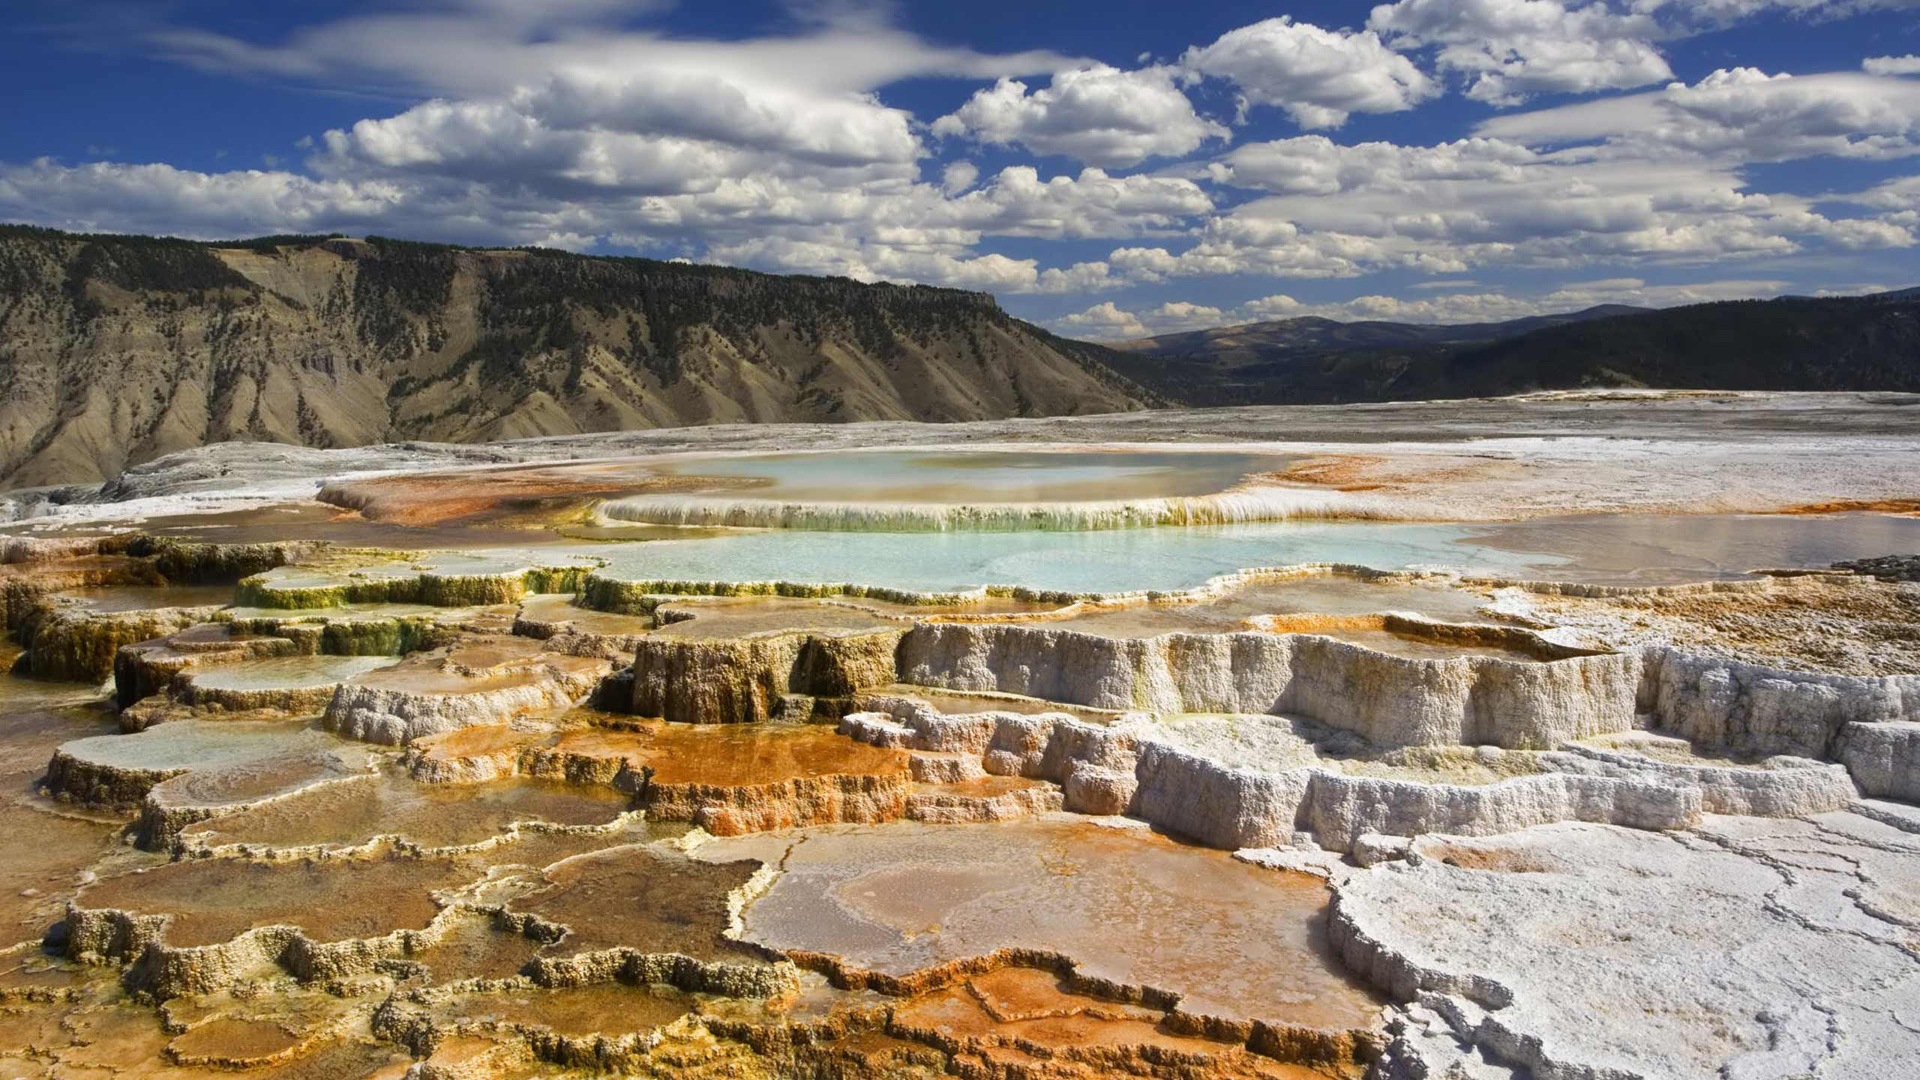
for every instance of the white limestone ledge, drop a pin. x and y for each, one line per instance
(1746, 707)
(1884, 758)
(1228, 807)
(1257, 781)
(1388, 699)
(1871, 724)
(434, 693)
(398, 717)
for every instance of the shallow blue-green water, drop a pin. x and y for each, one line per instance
(1627, 549)
(1102, 561)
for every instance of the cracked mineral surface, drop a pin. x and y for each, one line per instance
(1217, 746)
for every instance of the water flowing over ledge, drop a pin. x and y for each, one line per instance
(1242, 506)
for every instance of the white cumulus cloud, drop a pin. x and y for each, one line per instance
(1739, 114)
(1892, 65)
(1318, 76)
(1110, 322)
(1099, 115)
(1510, 50)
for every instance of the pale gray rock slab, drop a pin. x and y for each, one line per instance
(1847, 871)
(1901, 816)
(1300, 860)
(1884, 758)
(1432, 1039)
(1746, 948)
(1373, 849)
(1763, 710)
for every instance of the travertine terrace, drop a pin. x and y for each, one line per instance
(1184, 745)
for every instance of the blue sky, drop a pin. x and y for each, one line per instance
(1107, 169)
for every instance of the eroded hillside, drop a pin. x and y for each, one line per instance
(115, 350)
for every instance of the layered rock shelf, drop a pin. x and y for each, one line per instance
(1762, 710)
(1251, 503)
(1470, 699)
(70, 643)
(455, 582)
(745, 680)
(1265, 790)
(484, 680)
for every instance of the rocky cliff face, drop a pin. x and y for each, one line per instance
(115, 350)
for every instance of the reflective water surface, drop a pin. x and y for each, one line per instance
(1627, 549)
(923, 476)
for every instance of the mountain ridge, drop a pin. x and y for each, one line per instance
(116, 350)
(1323, 331)
(1788, 343)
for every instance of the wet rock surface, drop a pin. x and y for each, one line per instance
(1886, 567)
(903, 905)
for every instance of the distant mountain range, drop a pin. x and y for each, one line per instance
(1798, 343)
(1254, 342)
(117, 349)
